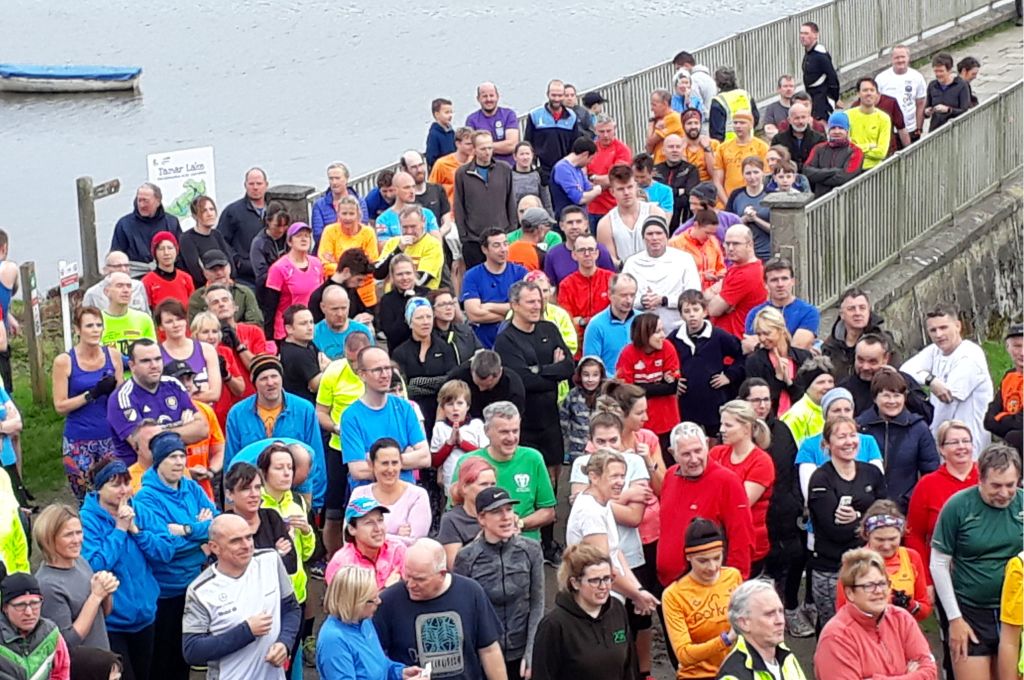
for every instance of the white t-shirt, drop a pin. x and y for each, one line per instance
(629, 537)
(905, 89)
(216, 603)
(965, 372)
(667, 276)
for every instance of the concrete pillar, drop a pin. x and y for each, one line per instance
(789, 232)
(295, 198)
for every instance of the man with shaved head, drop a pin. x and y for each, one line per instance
(389, 223)
(247, 598)
(679, 175)
(96, 296)
(502, 123)
(123, 325)
(330, 332)
(742, 289)
(432, 605)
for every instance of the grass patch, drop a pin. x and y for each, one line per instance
(998, 360)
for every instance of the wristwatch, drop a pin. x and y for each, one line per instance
(664, 301)
(521, 524)
(928, 379)
(187, 528)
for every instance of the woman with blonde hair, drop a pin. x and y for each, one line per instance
(206, 328)
(776, 360)
(74, 598)
(347, 647)
(745, 438)
(586, 634)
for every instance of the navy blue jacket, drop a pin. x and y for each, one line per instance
(440, 142)
(552, 139)
(702, 356)
(240, 223)
(908, 450)
(134, 233)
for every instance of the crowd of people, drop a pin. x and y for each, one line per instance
(388, 398)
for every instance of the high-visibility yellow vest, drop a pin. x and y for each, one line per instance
(733, 101)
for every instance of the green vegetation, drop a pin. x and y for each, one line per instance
(998, 360)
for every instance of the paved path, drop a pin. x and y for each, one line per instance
(1002, 61)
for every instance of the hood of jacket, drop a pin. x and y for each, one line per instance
(155, 218)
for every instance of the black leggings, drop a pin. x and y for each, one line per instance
(785, 566)
(168, 659)
(136, 651)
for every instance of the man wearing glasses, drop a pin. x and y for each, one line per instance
(96, 296)
(32, 645)
(584, 293)
(379, 414)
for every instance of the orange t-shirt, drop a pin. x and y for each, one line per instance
(695, 156)
(269, 417)
(334, 241)
(696, 615)
(199, 453)
(524, 253)
(729, 158)
(443, 173)
(707, 255)
(673, 126)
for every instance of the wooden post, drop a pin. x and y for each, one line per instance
(87, 231)
(33, 330)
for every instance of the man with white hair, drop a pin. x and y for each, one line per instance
(756, 615)
(697, 486)
(439, 618)
(96, 296)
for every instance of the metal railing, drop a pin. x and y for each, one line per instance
(857, 229)
(853, 31)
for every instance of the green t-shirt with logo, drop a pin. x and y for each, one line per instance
(525, 477)
(981, 539)
(120, 332)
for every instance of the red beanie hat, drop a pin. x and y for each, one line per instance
(159, 238)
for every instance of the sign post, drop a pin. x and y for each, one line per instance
(69, 280)
(88, 194)
(33, 329)
(182, 176)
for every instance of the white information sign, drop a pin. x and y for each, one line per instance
(182, 176)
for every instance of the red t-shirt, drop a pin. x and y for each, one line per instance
(641, 368)
(159, 289)
(600, 163)
(743, 289)
(758, 468)
(930, 494)
(717, 495)
(227, 399)
(253, 338)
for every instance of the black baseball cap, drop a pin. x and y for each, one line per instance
(1016, 331)
(492, 498)
(178, 369)
(214, 258)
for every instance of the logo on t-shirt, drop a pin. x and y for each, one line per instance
(439, 641)
(172, 402)
(619, 636)
(522, 481)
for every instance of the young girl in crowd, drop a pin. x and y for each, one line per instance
(455, 433)
(578, 406)
(526, 176)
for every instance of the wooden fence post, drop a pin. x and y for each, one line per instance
(33, 330)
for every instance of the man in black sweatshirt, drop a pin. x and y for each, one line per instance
(948, 96)
(534, 349)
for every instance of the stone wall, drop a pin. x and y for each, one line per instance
(976, 261)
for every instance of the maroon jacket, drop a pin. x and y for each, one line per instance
(828, 167)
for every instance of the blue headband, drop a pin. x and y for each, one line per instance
(412, 305)
(112, 469)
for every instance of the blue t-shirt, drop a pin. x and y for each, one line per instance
(361, 426)
(332, 343)
(7, 455)
(445, 632)
(250, 453)
(388, 224)
(481, 284)
(131, 403)
(798, 314)
(662, 195)
(811, 451)
(739, 201)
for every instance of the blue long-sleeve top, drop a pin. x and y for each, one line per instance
(162, 505)
(130, 557)
(440, 142)
(323, 213)
(297, 420)
(352, 651)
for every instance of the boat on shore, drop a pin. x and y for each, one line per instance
(40, 78)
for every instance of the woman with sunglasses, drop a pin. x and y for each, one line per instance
(586, 634)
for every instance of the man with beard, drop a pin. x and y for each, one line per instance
(698, 149)
(679, 175)
(499, 121)
(431, 196)
(552, 129)
(834, 162)
(799, 137)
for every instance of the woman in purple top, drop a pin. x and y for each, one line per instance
(171, 318)
(83, 378)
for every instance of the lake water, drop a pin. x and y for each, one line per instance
(292, 85)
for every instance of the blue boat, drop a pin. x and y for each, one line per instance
(59, 79)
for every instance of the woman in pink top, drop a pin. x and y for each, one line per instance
(868, 637)
(294, 277)
(367, 544)
(744, 440)
(408, 505)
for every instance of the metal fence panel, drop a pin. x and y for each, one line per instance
(860, 30)
(937, 12)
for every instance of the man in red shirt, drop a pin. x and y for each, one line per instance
(245, 340)
(742, 289)
(698, 487)
(610, 151)
(584, 293)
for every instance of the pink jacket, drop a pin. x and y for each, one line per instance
(854, 646)
(390, 561)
